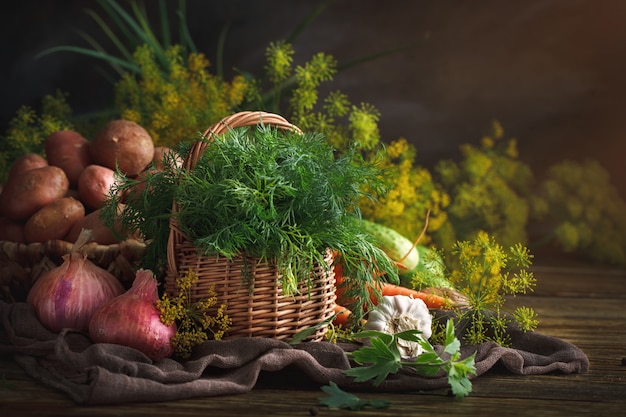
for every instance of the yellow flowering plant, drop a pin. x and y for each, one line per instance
(173, 104)
(489, 189)
(582, 212)
(485, 276)
(195, 321)
(413, 194)
(28, 130)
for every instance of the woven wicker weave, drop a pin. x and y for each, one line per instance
(21, 264)
(256, 304)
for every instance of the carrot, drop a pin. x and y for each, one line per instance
(432, 300)
(388, 289)
(342, 315)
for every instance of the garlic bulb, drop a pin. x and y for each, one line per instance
(398, 313)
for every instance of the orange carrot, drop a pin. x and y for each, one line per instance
(342, 315)
(431, 300)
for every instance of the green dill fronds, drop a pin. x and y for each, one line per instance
(281, 197)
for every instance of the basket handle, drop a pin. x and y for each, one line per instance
(241, 119)
(246, 118)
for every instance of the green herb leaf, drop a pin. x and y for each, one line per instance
(452, 343)
(340, 399)
(303, 334)
(383, 358)
(458, 376)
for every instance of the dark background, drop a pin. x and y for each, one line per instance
(551, 71)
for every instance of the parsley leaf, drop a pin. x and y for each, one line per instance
(338, 398)
(381, 357)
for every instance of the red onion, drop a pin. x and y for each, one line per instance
(67, 296)
(132, 319)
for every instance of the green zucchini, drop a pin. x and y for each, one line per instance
(431, 270)
(420, 259)
(395, 246)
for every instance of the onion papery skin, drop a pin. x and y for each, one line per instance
(133, 320)
(68, 295)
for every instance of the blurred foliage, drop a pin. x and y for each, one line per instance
(583, 211)
(175, 102)
(28, 129)
(414, 192)
(489, 189)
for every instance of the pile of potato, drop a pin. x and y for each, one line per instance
(57, 196)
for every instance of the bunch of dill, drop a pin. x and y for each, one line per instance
(279, 196)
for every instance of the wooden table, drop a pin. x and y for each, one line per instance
(580, 304)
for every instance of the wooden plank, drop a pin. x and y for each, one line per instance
(580, 281)
(303, 403)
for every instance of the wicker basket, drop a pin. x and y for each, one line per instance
(22, 264)
(257, 305)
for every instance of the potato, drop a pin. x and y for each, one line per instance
(53, 221)
(29, 191)
(69, 151)
(100, 232)
(26, 163)
(122, 144)
(94, 185)
(11, 231)
(138, 189)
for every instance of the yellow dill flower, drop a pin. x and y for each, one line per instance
(485, 273)
(397, 148)
(478, 163)
(488, 190)
(176, 64)
(497, 129)
(132, 115)
(197, 63)
(336, 104)
(279, 57)
(511, 149)
(412, 193)
(28, 130)
(487, 142)
(306, 97)
(173, 103)
(237, 90)
(194, 320)
(364, 125)
(323, 67)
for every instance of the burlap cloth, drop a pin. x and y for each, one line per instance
(110, 374)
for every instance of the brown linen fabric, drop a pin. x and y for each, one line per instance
(113, 374)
